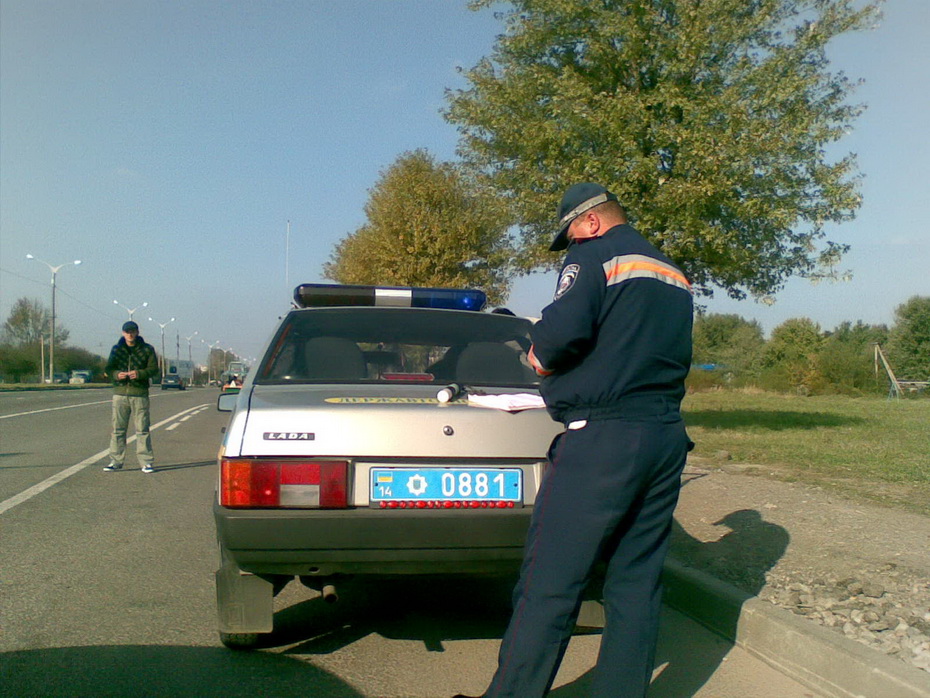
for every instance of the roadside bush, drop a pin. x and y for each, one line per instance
(700, 381)
(847, 369)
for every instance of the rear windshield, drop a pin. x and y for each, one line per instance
(396, 345)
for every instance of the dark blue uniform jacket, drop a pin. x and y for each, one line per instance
(617, 336)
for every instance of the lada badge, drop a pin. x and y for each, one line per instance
(288, 436)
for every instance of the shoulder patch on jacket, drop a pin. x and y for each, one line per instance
(567, 280)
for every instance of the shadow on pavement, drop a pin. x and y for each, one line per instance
(433, 610)
(741, 556)
(184, 466)
(428, 610)
(749, 547)
(134, 670)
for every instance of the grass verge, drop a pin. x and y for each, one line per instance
(872, 448)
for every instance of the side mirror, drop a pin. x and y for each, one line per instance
(226, 402)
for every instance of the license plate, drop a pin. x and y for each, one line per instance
(440, 485)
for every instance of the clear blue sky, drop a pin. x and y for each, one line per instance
(166, 145)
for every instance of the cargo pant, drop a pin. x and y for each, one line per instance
(607, 496)
(139, 406)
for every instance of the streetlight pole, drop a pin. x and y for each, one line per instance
(210, 361)
(129, 310)
(51, 345)
(162, 326)
(190, 354)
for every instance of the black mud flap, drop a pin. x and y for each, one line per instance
(245, 603)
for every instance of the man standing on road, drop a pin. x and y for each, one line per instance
(614, 347)
(132, 363)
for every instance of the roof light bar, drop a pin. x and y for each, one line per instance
(332, 295)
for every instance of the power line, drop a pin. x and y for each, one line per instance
(60, 290)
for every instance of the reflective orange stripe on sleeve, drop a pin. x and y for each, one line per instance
(637, 266)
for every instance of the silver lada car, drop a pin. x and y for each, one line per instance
(357, 446)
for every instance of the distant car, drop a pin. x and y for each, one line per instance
(172, 380)
(80, 376)
(355, 448)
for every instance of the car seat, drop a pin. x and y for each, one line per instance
(333, 358)
(490, 363)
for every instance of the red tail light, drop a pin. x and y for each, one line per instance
(248, 482)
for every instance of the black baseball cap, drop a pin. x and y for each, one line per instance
(130, 327)
(577, 199)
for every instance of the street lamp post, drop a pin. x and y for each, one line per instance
(162, 326)
(190, 354)
(51, 345)
(129, 310)
(210, 360)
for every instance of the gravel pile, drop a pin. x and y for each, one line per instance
(859, 569)
(887, 609)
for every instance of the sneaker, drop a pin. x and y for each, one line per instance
(148, 468)
(112, 466)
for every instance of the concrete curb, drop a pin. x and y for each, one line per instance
(809, 653)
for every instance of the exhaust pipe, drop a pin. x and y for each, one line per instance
(329, 593)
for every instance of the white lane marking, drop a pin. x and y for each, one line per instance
(28, 494)
(53, 409)
(66, 407)
(186, 417)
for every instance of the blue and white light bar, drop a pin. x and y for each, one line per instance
(331, 295)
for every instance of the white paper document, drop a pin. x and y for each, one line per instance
(509, 402)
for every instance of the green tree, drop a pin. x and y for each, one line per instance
(909, 340)
(29, 321)
(709, 119)
(74, 358)
(427, 226)
(792, 355)
(730, 340)
(17, 364)
(846, 357)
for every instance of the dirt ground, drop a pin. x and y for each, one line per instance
(857, 567)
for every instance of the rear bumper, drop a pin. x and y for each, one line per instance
(322, 543)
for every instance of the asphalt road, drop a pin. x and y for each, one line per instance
(106, 586)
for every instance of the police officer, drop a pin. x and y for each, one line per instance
(614, 347)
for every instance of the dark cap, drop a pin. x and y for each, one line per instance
(130, 327)
(577, 199)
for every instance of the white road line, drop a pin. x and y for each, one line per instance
(186, 417)
(66, 407)
(52, 409)
(28, 494)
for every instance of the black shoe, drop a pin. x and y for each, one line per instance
(112, 467)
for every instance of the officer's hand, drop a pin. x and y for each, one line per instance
(537, 366)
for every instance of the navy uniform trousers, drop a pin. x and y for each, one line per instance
(608, 494)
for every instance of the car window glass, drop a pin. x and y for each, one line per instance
(390, 345)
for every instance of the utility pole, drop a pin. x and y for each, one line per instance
(51, 344)
(162, 362)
